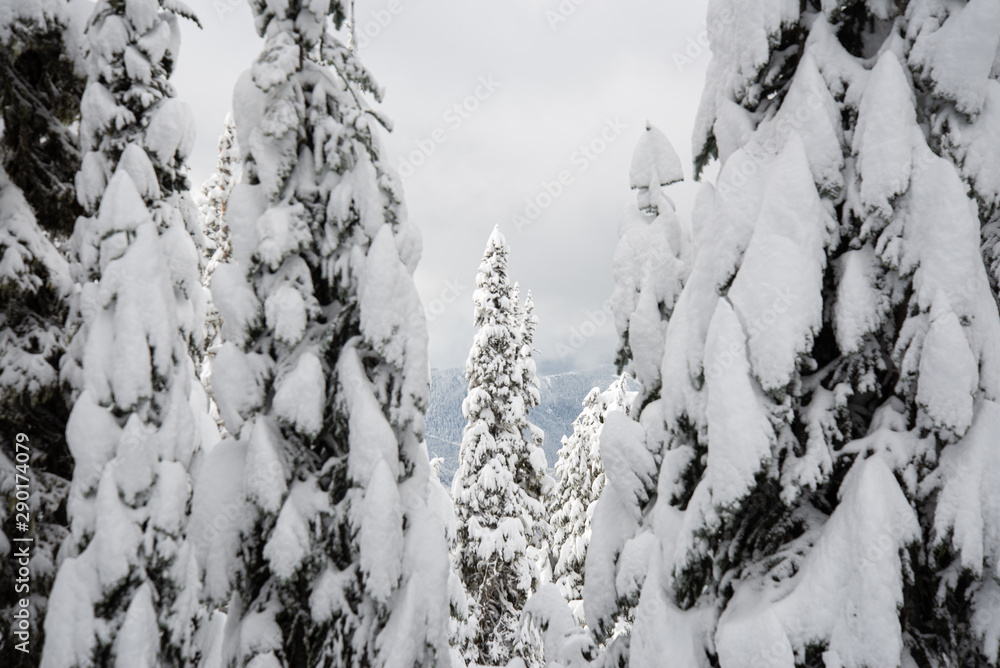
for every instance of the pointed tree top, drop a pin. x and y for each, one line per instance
(497, 240)
(654, 161)
(495, 256)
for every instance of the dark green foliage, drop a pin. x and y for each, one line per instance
(40, 92)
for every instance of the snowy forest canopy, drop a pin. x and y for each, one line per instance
(214, 399)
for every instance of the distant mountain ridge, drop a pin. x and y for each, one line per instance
(562, 398)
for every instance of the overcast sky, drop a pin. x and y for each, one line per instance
(536, 82)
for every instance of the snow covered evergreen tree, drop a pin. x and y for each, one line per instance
(650, 262)
(216, 192)
(527, 381)
(40, 89)
(535, 478)
(498, 487)
(333, 555)
(580, 477)
(812, 479)
(218, 245)
(127, 592)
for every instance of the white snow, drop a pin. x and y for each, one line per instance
(974, 145)
(300, 395)
(809, 111)
(861, 307)
(612, 525)
(92, 434)
(91, 180)
(237, 384)
(883, 139)
(219, 516)
(236, 301)
(285, 313)
(132, 648)
(547, 610)
(116, 536)
(265, 473)
(777, 290)
(170, 133)
(948, 375)
(628, 465)
(246, 204)
(380, 533)
(391, 319)
(121, 207)
(136, 164)
(959, 57)
(854, 566)
(279, 60)
(70, 628)
(739, 195)
(154, 43)
(968, 509)
(137, 66)
(170, 496)
(654, 163)
(370, 433)
(327, 597)
(288, 543)
(661, 629)
(98, 109)
(739, 434)
(281, 230)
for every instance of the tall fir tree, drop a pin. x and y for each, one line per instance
(218, 246)
(580, 481)
(501, 478)
(338, 560)
(650, 263)
(527, 382)
(216, 192)
(814, 483)
(533, 475)
(41, 83)
(127, 591)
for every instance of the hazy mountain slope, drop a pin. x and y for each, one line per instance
(562, 399)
